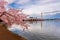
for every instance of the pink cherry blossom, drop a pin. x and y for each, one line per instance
(12, 15)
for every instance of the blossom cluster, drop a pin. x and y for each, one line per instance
(12, 15)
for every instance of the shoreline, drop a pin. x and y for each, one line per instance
(5, 34)
(33, 19)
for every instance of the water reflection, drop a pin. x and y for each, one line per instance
(41, 30)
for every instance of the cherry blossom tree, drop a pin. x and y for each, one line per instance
(12, 15)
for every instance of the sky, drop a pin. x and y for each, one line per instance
(35, 6)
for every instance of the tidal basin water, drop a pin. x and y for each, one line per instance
(40, 30)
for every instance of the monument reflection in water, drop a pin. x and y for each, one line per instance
(40, 30)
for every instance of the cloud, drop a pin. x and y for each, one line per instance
(10, 1)
(22, 1)
(36, 6)
(41, 8)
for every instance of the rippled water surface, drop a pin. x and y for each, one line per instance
(40, 30)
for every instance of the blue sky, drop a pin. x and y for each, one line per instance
(35, 6)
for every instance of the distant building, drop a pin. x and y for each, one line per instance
(30, 17)
(33, 17)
